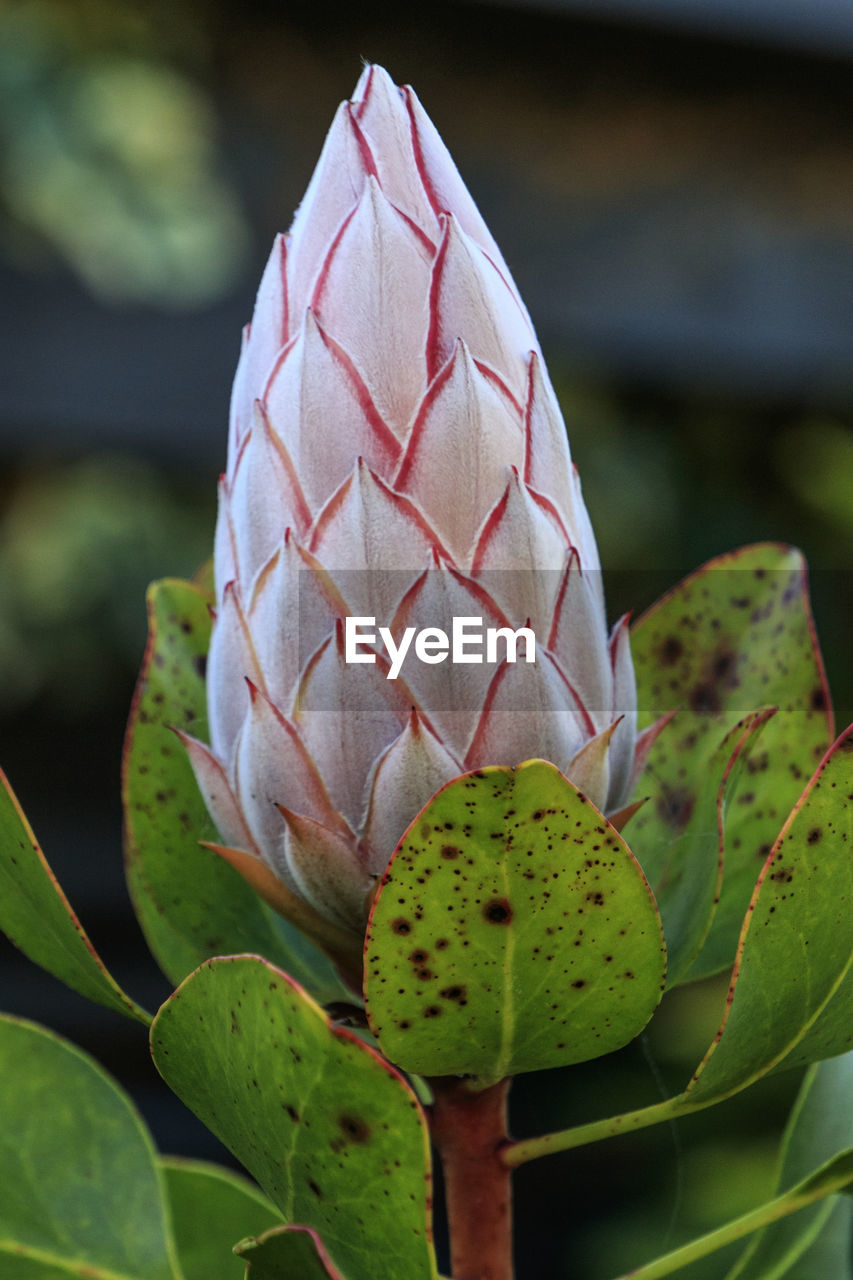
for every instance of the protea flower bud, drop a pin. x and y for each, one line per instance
(396, 455)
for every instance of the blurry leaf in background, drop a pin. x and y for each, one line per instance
(715, 1180)
(815, 459)
(629, 473)
(79, 544)
(110, 156)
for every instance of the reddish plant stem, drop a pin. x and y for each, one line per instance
(469, 1129)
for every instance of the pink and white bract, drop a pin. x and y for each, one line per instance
(395, 450)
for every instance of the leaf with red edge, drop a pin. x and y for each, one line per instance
(791, 996)
(36, 915)
(331, 1132)
(735, 635)
(513, 931)
(287, 1251)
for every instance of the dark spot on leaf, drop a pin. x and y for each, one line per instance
(705, 700)
(675, 805)
(758, 763)
(818, 699)
(432, 1011)
(498, 911)
(670, 651)
(449, 851)
(578, 983)
(354, 1127)
(200, 665)
(814, 835)
(317, 1192)
(454, 993)
(723, 665)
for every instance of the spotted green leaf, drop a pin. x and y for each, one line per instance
(81, 1190)
(36, 915)
(821, 1125)
(212, 1209)
(286, 1252)
(791, 996)
(332, 1133)
(736, 635)
(190, 902)
(513, 930)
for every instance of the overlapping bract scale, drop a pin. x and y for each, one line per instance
(396, 452)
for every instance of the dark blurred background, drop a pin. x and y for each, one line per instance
(671, 182)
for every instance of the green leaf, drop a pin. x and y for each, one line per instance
(190, 902)
(287, 1252)
(82, 1194)
(513, 931)
(212, 1209)
(821, 1125)
(36, 915)
(736, 635)
(790, 1000)
(688, 888)
(332, 1133)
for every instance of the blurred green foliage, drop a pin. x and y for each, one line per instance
(79, 543)
(672, 480)
(815, 462)
(109, 152)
